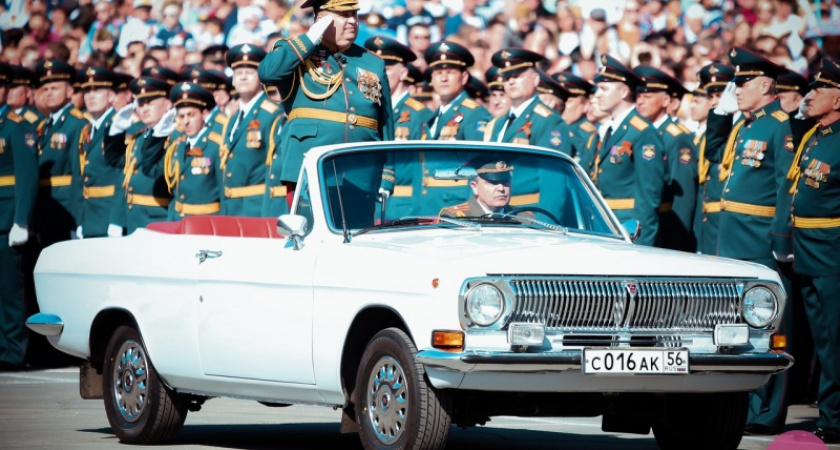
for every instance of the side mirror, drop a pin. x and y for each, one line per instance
(292, 226)
(633, 228)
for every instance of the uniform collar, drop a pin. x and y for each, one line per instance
(250, 105)
(396, 101)
(98, 122)
(766, 110)
(57, 115)
(617, 120)
(194, 140)
(661, 121)
(455, 101)
(521, 109)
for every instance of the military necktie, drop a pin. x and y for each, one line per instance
(239, 118)
(510, 119)
(433, 128)
(607, 135)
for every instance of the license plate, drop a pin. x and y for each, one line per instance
(635, 361)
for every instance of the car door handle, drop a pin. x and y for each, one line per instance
(202, 255)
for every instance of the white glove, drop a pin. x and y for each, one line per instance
(728, 103)
(319, 28)
(803, 111)
(115, 230)
(384, 195)
(784, 257)
(79, 234)
(166, 125)
(122, 119)
(18, 235)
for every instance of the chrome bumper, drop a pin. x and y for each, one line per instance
(568, 360)
(45, 324)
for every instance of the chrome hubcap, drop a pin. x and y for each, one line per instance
(387, 400)
(130, 377)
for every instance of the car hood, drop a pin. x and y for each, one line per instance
(497, 251)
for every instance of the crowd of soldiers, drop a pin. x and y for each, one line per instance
(753, 182)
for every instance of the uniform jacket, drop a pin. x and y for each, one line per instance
(99, 178)
(193, 175)
(18, 172)
(465, 120)
(580, 133)
(411, 119)
(537, 125)
(679, 199)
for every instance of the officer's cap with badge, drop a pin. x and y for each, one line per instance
(713, 78)
(513, 61)
(390, 50)
(95, 77)
(146, 89)
(549, 86)
(331, 5)
(828, 76)
(161, 73)
(5, 73)
(655, 80)
(749, 65)
(476, 89)
(446, 54)
(245, 55)
(122, 81)
(211, 80)
(191, 94)
(575, 85)
(612, 71)
(791, 81)
(215, 53)
(493, 170)
(21, 76)
(53, 70)
(494, 79)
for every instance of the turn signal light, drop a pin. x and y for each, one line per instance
(450, 341)
(779, 342)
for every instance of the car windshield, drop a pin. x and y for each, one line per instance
(472, 188)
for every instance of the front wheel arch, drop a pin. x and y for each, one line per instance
(101, 330)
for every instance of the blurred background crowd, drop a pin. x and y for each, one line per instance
(678, 36)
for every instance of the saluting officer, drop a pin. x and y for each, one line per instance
(582, 131)
(191, 163)
(816, 238)
(58, 144)
(498, 102)
(20, 97)
(755, 162)
(334, 91)
(249, 137)
(679, 201)
(18, 190)
(552, 93)
(713, 80)
(629, 168)
(791, 88)
(146, 196)
(216, 83)
(458, 117)
(99, 175)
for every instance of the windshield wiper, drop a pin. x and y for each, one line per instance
(419, 221)
(520, 218)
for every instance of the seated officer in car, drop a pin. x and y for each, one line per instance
(490, 192)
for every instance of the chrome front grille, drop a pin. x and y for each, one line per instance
(618, 304)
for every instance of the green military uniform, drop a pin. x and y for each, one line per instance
(191, 163)
(18, 190)
(582, 131)
(815, 219)
(629, 167)
(59, 134)
(249, 142)
(212, 81)
(22, 76)
(330, 97)
(476, 90)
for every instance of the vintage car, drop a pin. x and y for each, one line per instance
(436, 308)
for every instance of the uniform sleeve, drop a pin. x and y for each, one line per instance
(386, 112)
(114, 149)
(76, 169)
(684, 179)
(650, 175)
(473, 130)
(781, 229)
(118, 206)
(24, 156)
(279, 67)
(554, 134)
(717, 133)
(151, 156)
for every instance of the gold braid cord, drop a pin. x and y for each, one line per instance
(729, 152)
(332, 82)
(130, 161)
(794, 171)
(703, 164)
(170, 170)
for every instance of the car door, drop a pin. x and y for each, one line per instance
(255, 313)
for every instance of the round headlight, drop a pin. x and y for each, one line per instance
(485, 304)
(759, 307)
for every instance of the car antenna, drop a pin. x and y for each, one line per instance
(345, 231)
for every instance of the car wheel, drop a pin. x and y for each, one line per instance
(140, 409)
(702, 421)
(396, 406)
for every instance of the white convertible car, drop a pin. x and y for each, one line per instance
(493, 281)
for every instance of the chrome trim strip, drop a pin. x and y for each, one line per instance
(45, 324)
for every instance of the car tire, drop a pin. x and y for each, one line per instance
(396, 406)
(702, 421)
(140, 409)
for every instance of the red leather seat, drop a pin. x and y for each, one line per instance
(233, 226)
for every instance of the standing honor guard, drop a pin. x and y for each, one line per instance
(629, 167)
(216, 83)
(59, 134)
(333, 91)
(99, 175)
(249, 137)
(816, 238)
(582, 131)
(498, 101)
(21, 96)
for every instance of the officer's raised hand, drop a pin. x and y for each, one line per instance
(728, 101)
(166, 125)
(123, 119)
(317, 30)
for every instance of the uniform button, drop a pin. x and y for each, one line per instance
(87, 162)
(182, 177)
(796, 191)
(182, 196)
(727, 191)
(805, 158)
(352, 127)
(350, 92)
(130, 189)
(352, 108)
(136, 172)
(130, 206)
(600, 170)
(708, 178)
(737, 158)
(425, 191)
(275, 156)
(272, 176)
(87, 178)
(705, 219)
(229, 175)
(347, 79)
(741, 141)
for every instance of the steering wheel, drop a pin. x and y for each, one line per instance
(520, 209)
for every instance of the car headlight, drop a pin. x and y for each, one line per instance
(759, 306)
(485, 304)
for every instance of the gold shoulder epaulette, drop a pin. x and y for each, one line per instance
(673, 129)
(416, 105)
(638, 123)
(14, 117)
(215, 138)
(269, 106)
(469, 104)
(30, 116)
(76, 113)
(456, 211)
(587, 127)
(781, 116)
(221, 118)
(685, 129)
(542, 111)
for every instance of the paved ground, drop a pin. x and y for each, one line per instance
(42, 409)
